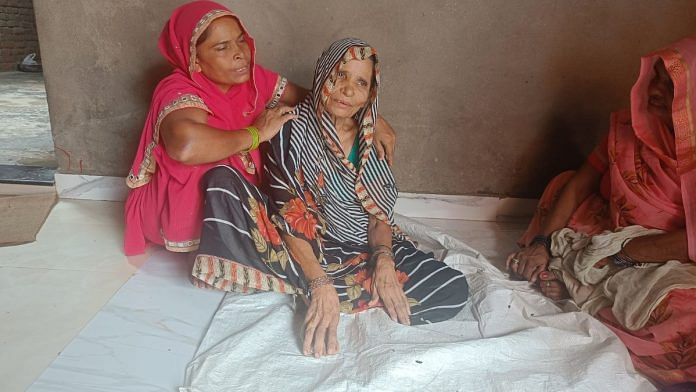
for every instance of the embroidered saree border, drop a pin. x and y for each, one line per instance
(181, 246)
(229, 275)
(198, 30)
(147, 166)
(277, 92)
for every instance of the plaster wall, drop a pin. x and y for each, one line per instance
(488, 97)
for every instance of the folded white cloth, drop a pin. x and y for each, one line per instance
(632, 293)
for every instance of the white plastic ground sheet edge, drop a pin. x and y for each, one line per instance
(507, 338)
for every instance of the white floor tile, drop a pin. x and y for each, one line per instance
(51, 288)
(42, 311)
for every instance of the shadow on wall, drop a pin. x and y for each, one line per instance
(144, 86)
(564, 143)
(576, 121)
(142, 89)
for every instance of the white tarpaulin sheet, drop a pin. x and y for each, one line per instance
(508, 338)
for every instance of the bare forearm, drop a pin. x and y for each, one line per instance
(378, 233)
(659, 248)
(579, 187)
(560, 212)
(194, 143)
(304, 255)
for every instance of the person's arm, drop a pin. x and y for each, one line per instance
(581, 185)
(530, 261)
(659, 248)
(190, 140)
(321, 320)
(385, 285)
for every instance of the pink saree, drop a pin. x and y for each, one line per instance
(165, 203)
(649, 180)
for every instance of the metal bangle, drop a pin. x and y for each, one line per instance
(380, 247)
(622, 260)
(542, 240)
(319, 282)
(380, 250)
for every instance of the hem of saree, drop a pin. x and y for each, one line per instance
(228, 275)
(181, 246)
(203, 24)
(689, 193)
(685, 137)
(281, 83)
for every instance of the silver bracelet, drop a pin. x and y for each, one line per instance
(378, 251)
(319, 282)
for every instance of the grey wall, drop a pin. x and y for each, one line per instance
(488, 97)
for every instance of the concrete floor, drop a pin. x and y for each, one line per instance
(25, 130)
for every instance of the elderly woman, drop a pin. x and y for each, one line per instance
(327, 230)
(211, 110)
(643, 173)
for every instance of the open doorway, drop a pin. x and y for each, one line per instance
(26, 146)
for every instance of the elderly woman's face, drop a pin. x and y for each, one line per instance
(224, 55)
(352, 88)
(661, 94)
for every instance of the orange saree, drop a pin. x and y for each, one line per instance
(649, 179)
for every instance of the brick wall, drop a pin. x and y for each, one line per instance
(17, 32)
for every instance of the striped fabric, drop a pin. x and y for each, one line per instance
(314, 193)
(242, 250)
(345, 195)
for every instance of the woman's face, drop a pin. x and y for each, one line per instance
(352, 88)
(224, 56)
(661, 94)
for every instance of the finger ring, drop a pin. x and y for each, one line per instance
(548, 284)
(515, 261)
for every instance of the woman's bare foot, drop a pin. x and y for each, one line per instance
(552, 287)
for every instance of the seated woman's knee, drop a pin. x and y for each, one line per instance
(460, 290)
(223, 177)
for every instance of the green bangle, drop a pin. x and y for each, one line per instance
(254, 133)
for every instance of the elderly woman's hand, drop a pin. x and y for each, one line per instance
(271, 121)
(386, 286)
(321, 323)
(529, 262)
(385, 140)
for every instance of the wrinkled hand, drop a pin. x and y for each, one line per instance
(321, 323)
(271, 121)
(385, 140)
(529, 262)
(386, 286)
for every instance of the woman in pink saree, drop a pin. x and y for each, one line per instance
(643, 173)
(215, 108)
